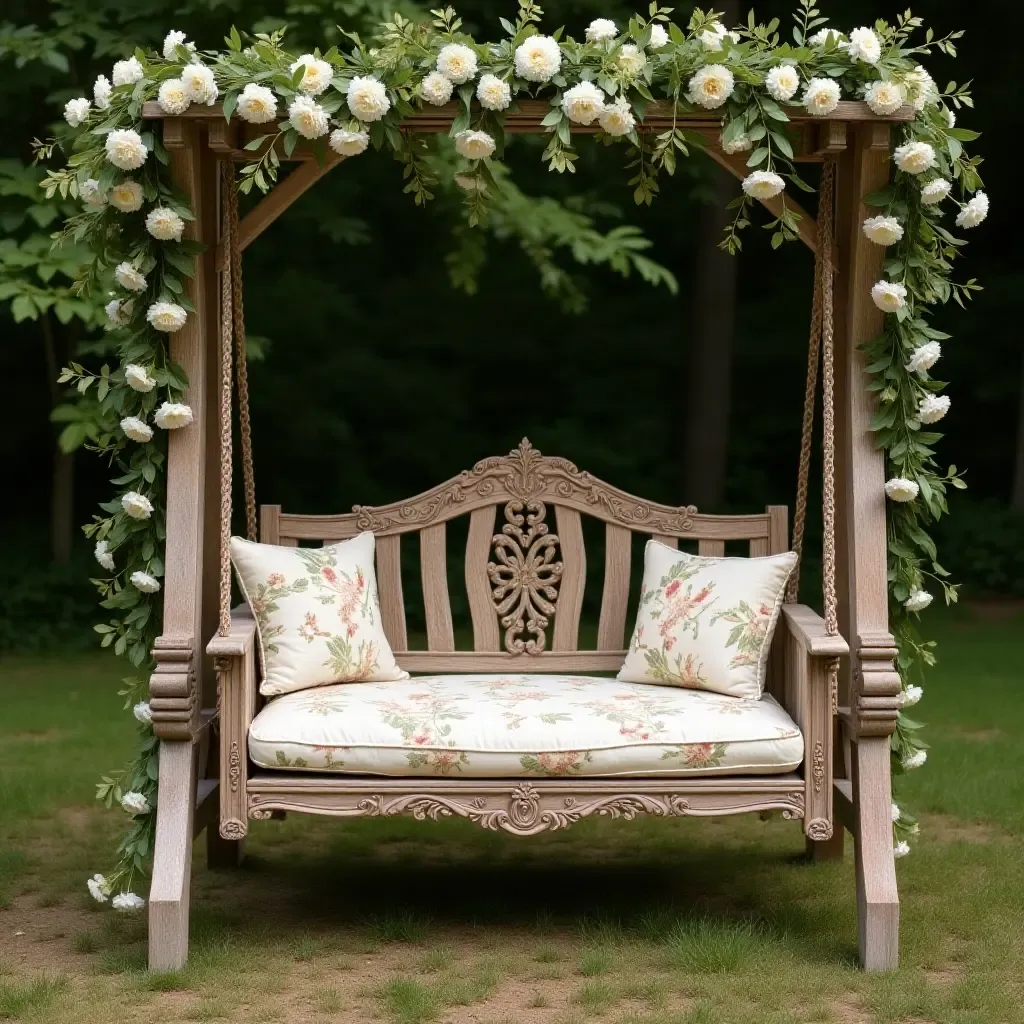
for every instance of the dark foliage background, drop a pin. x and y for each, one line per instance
(378, 379)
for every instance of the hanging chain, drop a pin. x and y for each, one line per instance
(226, 334)
(821, 348)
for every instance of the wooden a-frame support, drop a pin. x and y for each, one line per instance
(183, 688)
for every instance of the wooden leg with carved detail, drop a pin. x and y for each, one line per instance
(172, 857)
(878, 907)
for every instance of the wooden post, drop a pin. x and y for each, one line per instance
(871, 685)
(181, 680)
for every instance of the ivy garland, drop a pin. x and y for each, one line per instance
(133, 219)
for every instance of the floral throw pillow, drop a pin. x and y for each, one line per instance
(317, 614)
(706, 623)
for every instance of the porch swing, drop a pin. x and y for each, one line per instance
(527, 578)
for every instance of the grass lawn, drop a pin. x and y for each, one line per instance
(650, 922)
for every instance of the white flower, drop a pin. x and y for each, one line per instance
(346, 143)
(199, 83)
(602, 29)
(257, 104)
(583, 103)
(974, 212)
(924, 357)
(918, 601)
(127, 901)
(740, 144)
(883, 230)
(921, 88)
(617, 118)
(474, 145)
(99, 888)
(172, 416)
(163, 223)
(127, 72)
(713, 37)
(493, 93)
(821, 96)
(889, 296)
(172, 41)
(821, 37)
(436, 89)
(932, 408)
(308, 118)
(911, 695)
(136, 505)
(317, 75)
(125, 149)
(915, 760)
(914, 157)
(368, 99)
(128, 277)
(101, 92)
(166, 316)
(782, 82)
(711, 86)
(136, 429)
(173, 97)
(631, 59)
(950, 118)
(126, 196)
(884, 97)
(142, 712)
(137, 378)
(104, 555)
(134, 802)
(119, 311)
(538, 59)
(865, 46)
(76, 111)
(143, 581)
(935, 191)
(901, 849)
(659, 37)
(457, 63)
(763, 184)
(90, 193)
(899, 488)
(895, 812)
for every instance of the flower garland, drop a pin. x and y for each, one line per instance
(134, 219)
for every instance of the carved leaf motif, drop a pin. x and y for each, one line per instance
(526, 576)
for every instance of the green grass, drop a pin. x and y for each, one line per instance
(645, 922)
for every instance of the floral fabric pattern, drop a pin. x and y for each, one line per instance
(706, 623)
(316, 612)
(490, 726)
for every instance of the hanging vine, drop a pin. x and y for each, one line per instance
(133, 220)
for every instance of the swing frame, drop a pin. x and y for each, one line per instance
(204, 682)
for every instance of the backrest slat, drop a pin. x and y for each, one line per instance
(711, 548)
(434, 572)
(389, 588)
(672, 542)
(778, 529)
(759, 547)
(574, 579)
(478, 586)
(614, 598)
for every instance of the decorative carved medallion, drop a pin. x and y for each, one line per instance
(525, 578)
(232, 828)
(819, 829)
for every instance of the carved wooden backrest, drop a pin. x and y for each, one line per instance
(525, 580)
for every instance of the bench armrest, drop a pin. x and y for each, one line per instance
(807, 627)
(237, 695)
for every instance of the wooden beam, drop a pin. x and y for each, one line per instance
(277, 200)
(529, 113)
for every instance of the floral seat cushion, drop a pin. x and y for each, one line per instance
(493, 726)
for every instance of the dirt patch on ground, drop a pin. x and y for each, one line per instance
(998, 610)
(40, 939)
(945, 828)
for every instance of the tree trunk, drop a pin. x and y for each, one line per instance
(1017, 498)
(710, 374)
(706, 440)
(62, 489)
